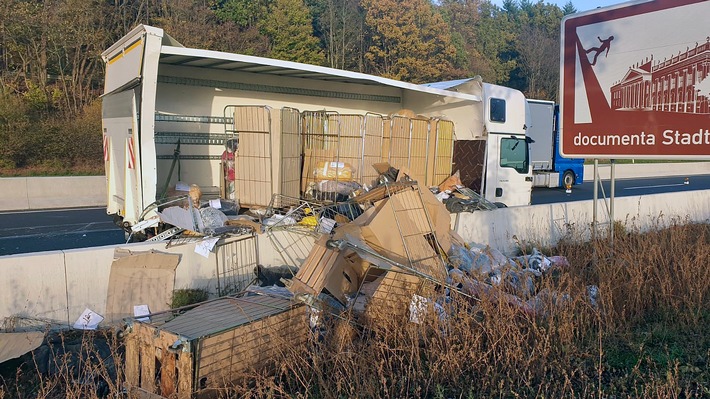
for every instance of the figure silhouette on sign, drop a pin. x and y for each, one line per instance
(606, 43)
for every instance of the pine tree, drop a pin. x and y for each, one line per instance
(410, 41)
(289, 27)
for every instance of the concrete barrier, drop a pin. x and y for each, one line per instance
(544, 225)
(58, 285)
(28, 193)
(34, 284)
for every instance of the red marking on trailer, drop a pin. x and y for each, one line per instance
(131, 155)
(107, 141)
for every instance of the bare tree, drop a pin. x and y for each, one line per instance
(538, 58)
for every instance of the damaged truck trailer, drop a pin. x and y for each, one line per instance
(246, 128)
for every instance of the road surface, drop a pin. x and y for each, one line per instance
(36, 231)
(624, 188)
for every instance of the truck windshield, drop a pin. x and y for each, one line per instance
(514, 154)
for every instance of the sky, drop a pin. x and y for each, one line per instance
(580, 5)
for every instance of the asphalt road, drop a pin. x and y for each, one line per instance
(623, 188)
(37, 231)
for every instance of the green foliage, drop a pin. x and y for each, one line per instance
(30, 139)
(339, 26)
(244, 13)
(14, 123)
(188, 296)
(52, 73)
(410, 41)
(494, 41)
(568, 8)
(289, 27)
(535, 48)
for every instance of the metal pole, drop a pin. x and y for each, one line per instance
(611, 205)
(596, 197)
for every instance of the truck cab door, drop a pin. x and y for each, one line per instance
(509, 178)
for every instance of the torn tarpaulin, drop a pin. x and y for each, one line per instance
(16, 344)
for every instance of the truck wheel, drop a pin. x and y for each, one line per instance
(568, 179)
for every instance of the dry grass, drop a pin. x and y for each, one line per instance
(646, 338)
(54, 168)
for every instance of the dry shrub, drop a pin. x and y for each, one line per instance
(658, 274)
(70, 364)
(33, 143)
(644, 339)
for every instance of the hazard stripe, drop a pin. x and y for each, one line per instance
(107, 141)
(131, 155)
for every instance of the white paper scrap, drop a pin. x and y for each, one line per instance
(326, 225)
(88, 320)
(141, 310)
(205, 246)
(216, 203)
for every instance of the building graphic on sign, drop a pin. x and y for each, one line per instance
(675, 84)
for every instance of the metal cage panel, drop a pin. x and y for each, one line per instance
(290, 152)
(253, 167)
(236, 261)
(443, 152)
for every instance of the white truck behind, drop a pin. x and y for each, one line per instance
(549, 167)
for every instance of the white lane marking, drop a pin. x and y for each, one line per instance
(656, 186)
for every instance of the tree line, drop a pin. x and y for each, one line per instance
(51, 72)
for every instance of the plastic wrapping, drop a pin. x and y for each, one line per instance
(340, 171)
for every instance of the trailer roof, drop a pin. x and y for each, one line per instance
(449, 84)
(183, 56)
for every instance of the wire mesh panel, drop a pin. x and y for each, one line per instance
(320, 144)
(253, 177)
(372, 147)
(290, 152)
(292, 246)
(386, 139)
(291, 225)
(339, 151)
(418, 154)
(400, 141)
(443, 152)
(417, 233)
(236, 260)
(350, 131)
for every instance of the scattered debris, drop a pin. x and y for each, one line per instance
(88, 320)
(378, 251)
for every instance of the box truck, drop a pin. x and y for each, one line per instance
(169, 111)
(549, 167)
